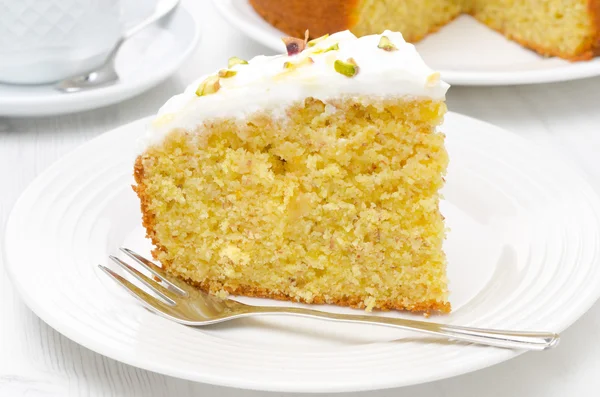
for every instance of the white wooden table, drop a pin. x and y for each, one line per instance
(37, 361)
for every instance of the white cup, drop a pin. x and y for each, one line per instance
(43, 41)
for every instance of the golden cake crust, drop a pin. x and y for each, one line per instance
(320, 17)
(594, 50)
(354, 302)
(148, 219)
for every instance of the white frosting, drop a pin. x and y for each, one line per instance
(264, 83)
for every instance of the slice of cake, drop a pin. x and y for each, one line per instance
(566, 28)
(310, 177)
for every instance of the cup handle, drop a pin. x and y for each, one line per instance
(133, 12)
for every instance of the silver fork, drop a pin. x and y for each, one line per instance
(184, 304)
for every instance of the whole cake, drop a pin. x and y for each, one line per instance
(312, 177)
(565, 28)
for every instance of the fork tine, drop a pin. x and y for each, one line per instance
(146, 299)
(156, 288)
(157, 271)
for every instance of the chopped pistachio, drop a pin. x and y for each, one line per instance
(225, 73)
(316, 41)
(334, 47)
(236, 61)
(386, 44)
(294, 45)
(294, 65)
(209, 86)
(348, 68)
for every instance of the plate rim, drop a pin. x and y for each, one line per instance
(476, 363)
(102, 96)
(574, 71)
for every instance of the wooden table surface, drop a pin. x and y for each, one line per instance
(35, 360)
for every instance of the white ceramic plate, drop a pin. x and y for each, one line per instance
(465, 52)
(523, 254)
(144, 61)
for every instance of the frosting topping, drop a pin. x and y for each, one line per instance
(334, 66)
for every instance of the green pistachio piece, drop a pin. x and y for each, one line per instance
(334, 47)
(348, 68)
(236, 61)
(225, 73)
(386, 44)
(305, 62)
(209, 86)
(316, 41)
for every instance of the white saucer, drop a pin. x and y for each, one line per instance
(465, 52)
(523, 253)
(144, 61)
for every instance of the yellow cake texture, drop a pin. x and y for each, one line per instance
(566, 28)
(323, 199)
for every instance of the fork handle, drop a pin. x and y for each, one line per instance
(528, 340)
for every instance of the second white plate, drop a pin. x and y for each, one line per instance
(144, 61)
(465, 52)
(523, 254)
